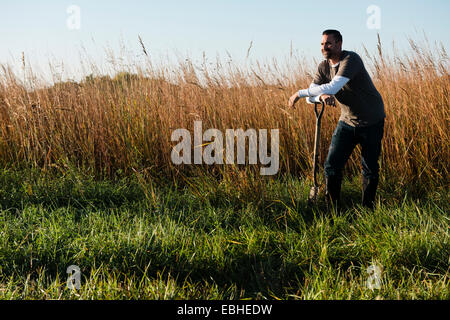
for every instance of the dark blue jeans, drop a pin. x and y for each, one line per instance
(344, 140)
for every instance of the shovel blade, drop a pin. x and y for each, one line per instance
(313, 194)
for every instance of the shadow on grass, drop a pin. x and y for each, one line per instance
(257, 274)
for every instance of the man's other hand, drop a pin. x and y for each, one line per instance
(293, 99)
(329, 100)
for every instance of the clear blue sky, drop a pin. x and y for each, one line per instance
(39, 28)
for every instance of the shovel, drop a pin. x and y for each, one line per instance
(314, 192)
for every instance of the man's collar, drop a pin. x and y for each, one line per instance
(340, 58)
(335, 65)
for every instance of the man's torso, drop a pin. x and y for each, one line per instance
(361, 103)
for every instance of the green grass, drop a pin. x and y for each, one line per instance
(138, 240)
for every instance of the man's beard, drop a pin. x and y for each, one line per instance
(327, 54)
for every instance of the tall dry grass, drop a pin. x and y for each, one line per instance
(125, 122)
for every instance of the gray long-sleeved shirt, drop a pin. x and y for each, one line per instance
(349, 81)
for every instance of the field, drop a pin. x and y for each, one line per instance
(86, 179)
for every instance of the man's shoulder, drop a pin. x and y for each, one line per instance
(324, 66)
(350, 55)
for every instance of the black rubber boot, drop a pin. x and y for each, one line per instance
(333, 191)
(369, 187)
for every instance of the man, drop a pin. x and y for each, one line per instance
(342, 76)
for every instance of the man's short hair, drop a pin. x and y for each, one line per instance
(336, 34)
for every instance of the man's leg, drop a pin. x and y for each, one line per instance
(342, 144)
(370, 152)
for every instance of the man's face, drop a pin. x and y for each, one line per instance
(330, 48)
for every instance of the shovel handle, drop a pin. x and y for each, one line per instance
(318, 112)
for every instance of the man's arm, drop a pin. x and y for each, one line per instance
(328, 99)
(318, 80)
(330, 88)
(312, 100)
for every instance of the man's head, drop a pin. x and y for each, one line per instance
(331, 44)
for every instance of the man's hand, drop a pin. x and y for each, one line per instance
(329, 100)
(293, 99)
